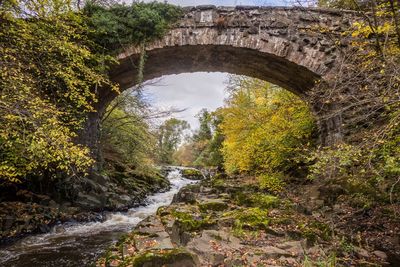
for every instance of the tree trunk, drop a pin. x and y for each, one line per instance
(91, 133)
(90, 137)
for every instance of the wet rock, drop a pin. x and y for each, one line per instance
(187, 194)
(44, 228)
(119, 202)
(7, 222)
(90, 202)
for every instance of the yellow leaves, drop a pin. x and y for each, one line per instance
(47, 78)
(40, 140)
(263, 126)
(259, 101)
(364, 30)
(9, 173)
(376, 37)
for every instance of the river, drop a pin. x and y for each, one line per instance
(79, 244)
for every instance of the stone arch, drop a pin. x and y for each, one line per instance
(290, 47)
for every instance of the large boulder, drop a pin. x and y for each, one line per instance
(90, 201)
(187, 194)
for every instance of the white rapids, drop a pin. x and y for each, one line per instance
(79, 244)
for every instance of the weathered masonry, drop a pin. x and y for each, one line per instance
(291, 47)
(287, 46)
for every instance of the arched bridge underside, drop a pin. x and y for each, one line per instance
(291, 47)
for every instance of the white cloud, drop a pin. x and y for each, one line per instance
(192, 91)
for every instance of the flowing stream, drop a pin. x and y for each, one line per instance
(79, 244)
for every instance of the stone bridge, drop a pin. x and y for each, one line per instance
(289, 46)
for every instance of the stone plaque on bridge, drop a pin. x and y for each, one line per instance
(206, 16)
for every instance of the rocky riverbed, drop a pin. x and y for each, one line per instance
(77, 244)
(31, 213)
(230, 222)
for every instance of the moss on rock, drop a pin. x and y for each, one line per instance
(259, 200)
(173, 257)
(250, 219)
(314, 230)
(192, 174)
(163, 211)
(213, 206)
(189, 222)
(218, 183)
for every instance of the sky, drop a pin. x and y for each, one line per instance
(189, 91)
(194, 91)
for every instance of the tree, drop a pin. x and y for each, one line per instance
(208, 152)
(47, 74)
(364, 92)
(203, 149)
(54, 59)
(126, 139)
(266, 129)
(204, 131)
(169, 135)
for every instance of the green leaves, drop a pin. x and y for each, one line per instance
(169, 136)
(120, 26)
(125, 135)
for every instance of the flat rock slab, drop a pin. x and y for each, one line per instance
(152, 235)
(214, 246)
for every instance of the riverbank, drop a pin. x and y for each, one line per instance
(230, 222)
